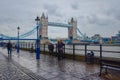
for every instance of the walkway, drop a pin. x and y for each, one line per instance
(26, 67)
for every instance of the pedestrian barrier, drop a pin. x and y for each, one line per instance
(108, 64)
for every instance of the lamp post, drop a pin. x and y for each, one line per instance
(18, 47)
(38, 39)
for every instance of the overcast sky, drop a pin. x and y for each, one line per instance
(93, 16)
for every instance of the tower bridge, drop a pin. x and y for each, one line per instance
(72, 27)
(43, 30)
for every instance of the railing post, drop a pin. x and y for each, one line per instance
(18, 43)
(26, 45)
(73, 51)
(56, 50)
(64, 52)
(30, 46)
(35, 46)
(100, 60)
(21, 45)
(44, 48)
(100, 51)
(85, 52)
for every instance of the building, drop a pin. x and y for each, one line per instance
(116, 39)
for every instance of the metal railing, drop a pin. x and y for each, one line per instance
(80, 49)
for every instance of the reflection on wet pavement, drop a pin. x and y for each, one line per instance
(50, 68)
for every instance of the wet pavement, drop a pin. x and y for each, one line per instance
(9, 71)
(24, 66)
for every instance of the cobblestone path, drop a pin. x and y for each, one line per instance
(25, 67)
(11, 70)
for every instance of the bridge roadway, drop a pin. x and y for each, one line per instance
(25, 67)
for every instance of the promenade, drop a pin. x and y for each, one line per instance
(24, 66)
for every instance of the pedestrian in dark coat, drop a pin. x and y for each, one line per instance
(51, 48)
(9, 47)
(60, 45)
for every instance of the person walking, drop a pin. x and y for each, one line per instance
(51, 48)
(9, 47)
(32, 49)
(60, 49)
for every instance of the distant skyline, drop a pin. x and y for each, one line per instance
(93, 16)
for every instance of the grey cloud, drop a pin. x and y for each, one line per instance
(113, 9)
(96, 19)
(98, 24)
(114, 14)
(75, 6)
(23, 13)
(88, 19)
(51, 8)
(92, 19)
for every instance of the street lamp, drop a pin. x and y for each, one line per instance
(18, 47)
(38, 39)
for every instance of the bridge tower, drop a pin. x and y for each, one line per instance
(72, 31)
(44, 26)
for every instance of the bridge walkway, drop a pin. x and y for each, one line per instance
(25, 67)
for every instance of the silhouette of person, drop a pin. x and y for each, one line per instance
(32, 50)
(51, 48)
(60, 45)
(9, 47)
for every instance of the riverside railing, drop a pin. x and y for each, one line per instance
(110, 51)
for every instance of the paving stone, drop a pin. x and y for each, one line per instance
(10, 72)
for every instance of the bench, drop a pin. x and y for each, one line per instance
(109, 64)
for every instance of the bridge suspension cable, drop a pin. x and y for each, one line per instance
(21, 36)
(5, 36)
(83, 36)
(28, 33)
